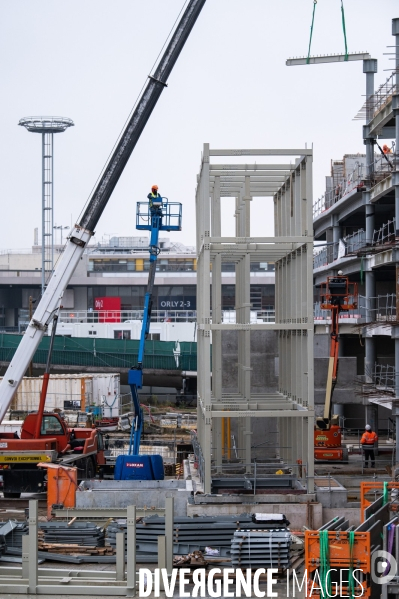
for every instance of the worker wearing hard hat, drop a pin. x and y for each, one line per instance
(386, 149)
(154, 199)
(367, 441)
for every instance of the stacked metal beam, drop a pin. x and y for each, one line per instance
(6, 528)
(82, 533)
(12, 531)
(261, 548)
(79, 533)
(212, 534)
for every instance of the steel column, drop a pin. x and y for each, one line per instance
(131, 550)
(169, 532)
(33, 550)
(120, 556)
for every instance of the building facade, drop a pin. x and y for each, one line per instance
(118, 269)
(355, 226)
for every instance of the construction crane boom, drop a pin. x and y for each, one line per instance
(82, 232)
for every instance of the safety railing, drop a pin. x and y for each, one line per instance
(320, 314)
(351, 244)
(381, 167)
(253, 475)
(19, 273)
(169, 315)
(355, 242)
(171, 215)
(384, 377)
(125, 316)
(381, 308)
(16, 251)
(22, 326)
(131, 267)
(346, 246)
(385, 234)
(320, 258)
(346, 185)
(382, 96)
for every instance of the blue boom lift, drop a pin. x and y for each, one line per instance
(161, 216)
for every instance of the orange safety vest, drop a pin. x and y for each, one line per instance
(369, 438)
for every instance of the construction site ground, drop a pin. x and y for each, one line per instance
(280, 587)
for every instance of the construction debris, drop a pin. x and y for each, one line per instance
(195, 559)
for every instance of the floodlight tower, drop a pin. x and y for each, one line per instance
(47, 126)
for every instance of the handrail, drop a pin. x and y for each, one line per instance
(344, 186)
(121, 317)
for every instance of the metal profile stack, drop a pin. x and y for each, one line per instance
(212, 535)
(78, 533)
(261, 548)
(11, 534)
(60, 537)
(5, 529)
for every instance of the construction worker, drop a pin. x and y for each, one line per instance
(154, 199)
(386, 149)
(368, 439)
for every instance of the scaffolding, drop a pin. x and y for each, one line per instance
(292, 404)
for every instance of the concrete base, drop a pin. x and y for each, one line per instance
(141, 493)
(330, 493)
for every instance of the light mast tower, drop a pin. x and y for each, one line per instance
(47, 126)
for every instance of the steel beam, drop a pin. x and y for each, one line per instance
(103, 513)
(263, 152)
(323, 58)
(33, 549)
(120, 556)
(169, 528)
(226, 174)
(251, 167)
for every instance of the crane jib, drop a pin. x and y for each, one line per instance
(139, 118)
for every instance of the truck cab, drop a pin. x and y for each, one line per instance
(56, 443)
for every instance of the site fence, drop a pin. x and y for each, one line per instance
(108, 353)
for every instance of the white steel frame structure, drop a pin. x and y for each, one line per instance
(290, 186)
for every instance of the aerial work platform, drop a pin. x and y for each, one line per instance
(171, 216)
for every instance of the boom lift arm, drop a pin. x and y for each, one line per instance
(135, 376)
(82, 232)
(337, 295)
(161, 216)
(332, 368)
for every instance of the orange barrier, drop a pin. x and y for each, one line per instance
(62, 482)
(368, 486)
(339, 558)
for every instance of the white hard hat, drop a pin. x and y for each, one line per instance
(368, 427)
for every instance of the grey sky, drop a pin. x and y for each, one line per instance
(88, 60)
